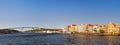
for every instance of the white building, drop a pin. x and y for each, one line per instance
(81, 28)
(96, 28)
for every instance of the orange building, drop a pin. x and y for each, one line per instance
(104, 28)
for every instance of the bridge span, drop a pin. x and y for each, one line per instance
(36, 30)
(23, 28)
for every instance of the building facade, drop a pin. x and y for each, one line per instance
(112, 28)
(73, 28)
(81, 28)
(89, 28)
(94, 28)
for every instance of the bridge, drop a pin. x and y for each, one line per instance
(51, 30)
(24, 28)
(37, 29)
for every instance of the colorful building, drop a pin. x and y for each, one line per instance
(94, 28)
(68, 28)
(89, 27)
(73, 28)
(81, 28)
(103, 28)
(112, 28)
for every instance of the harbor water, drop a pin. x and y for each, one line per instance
(57, 39)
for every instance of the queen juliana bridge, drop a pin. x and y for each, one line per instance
(36, 29)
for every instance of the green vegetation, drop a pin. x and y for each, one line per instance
(42, 30)
(102, 31)
(36, 30)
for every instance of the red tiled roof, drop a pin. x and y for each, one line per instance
(90, 25)
(114, 24)
(68, 26)
(73, 24)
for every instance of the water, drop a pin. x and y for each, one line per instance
(57, 39)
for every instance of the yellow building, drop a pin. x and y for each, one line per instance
(72, 29)
(112, 28)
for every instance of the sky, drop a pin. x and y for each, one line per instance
(57, 13)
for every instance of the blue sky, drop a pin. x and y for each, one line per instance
(57, 13)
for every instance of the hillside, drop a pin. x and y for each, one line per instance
(7, 31)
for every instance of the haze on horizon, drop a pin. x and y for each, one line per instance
(57, 13)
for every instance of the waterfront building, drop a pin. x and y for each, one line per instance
(81, 28)
(68, 28)
(76, 28)
(112, 28)
(73, 28)
(103, 28)
(96, 28)
(89, 27)
(119, 29)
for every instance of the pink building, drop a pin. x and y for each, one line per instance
(89, 27)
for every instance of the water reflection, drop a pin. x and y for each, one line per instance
(57, 39)
(112, 40)
(77, 39)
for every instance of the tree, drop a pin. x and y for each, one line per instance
(102, 31)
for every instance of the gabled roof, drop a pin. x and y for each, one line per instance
(113, 24)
